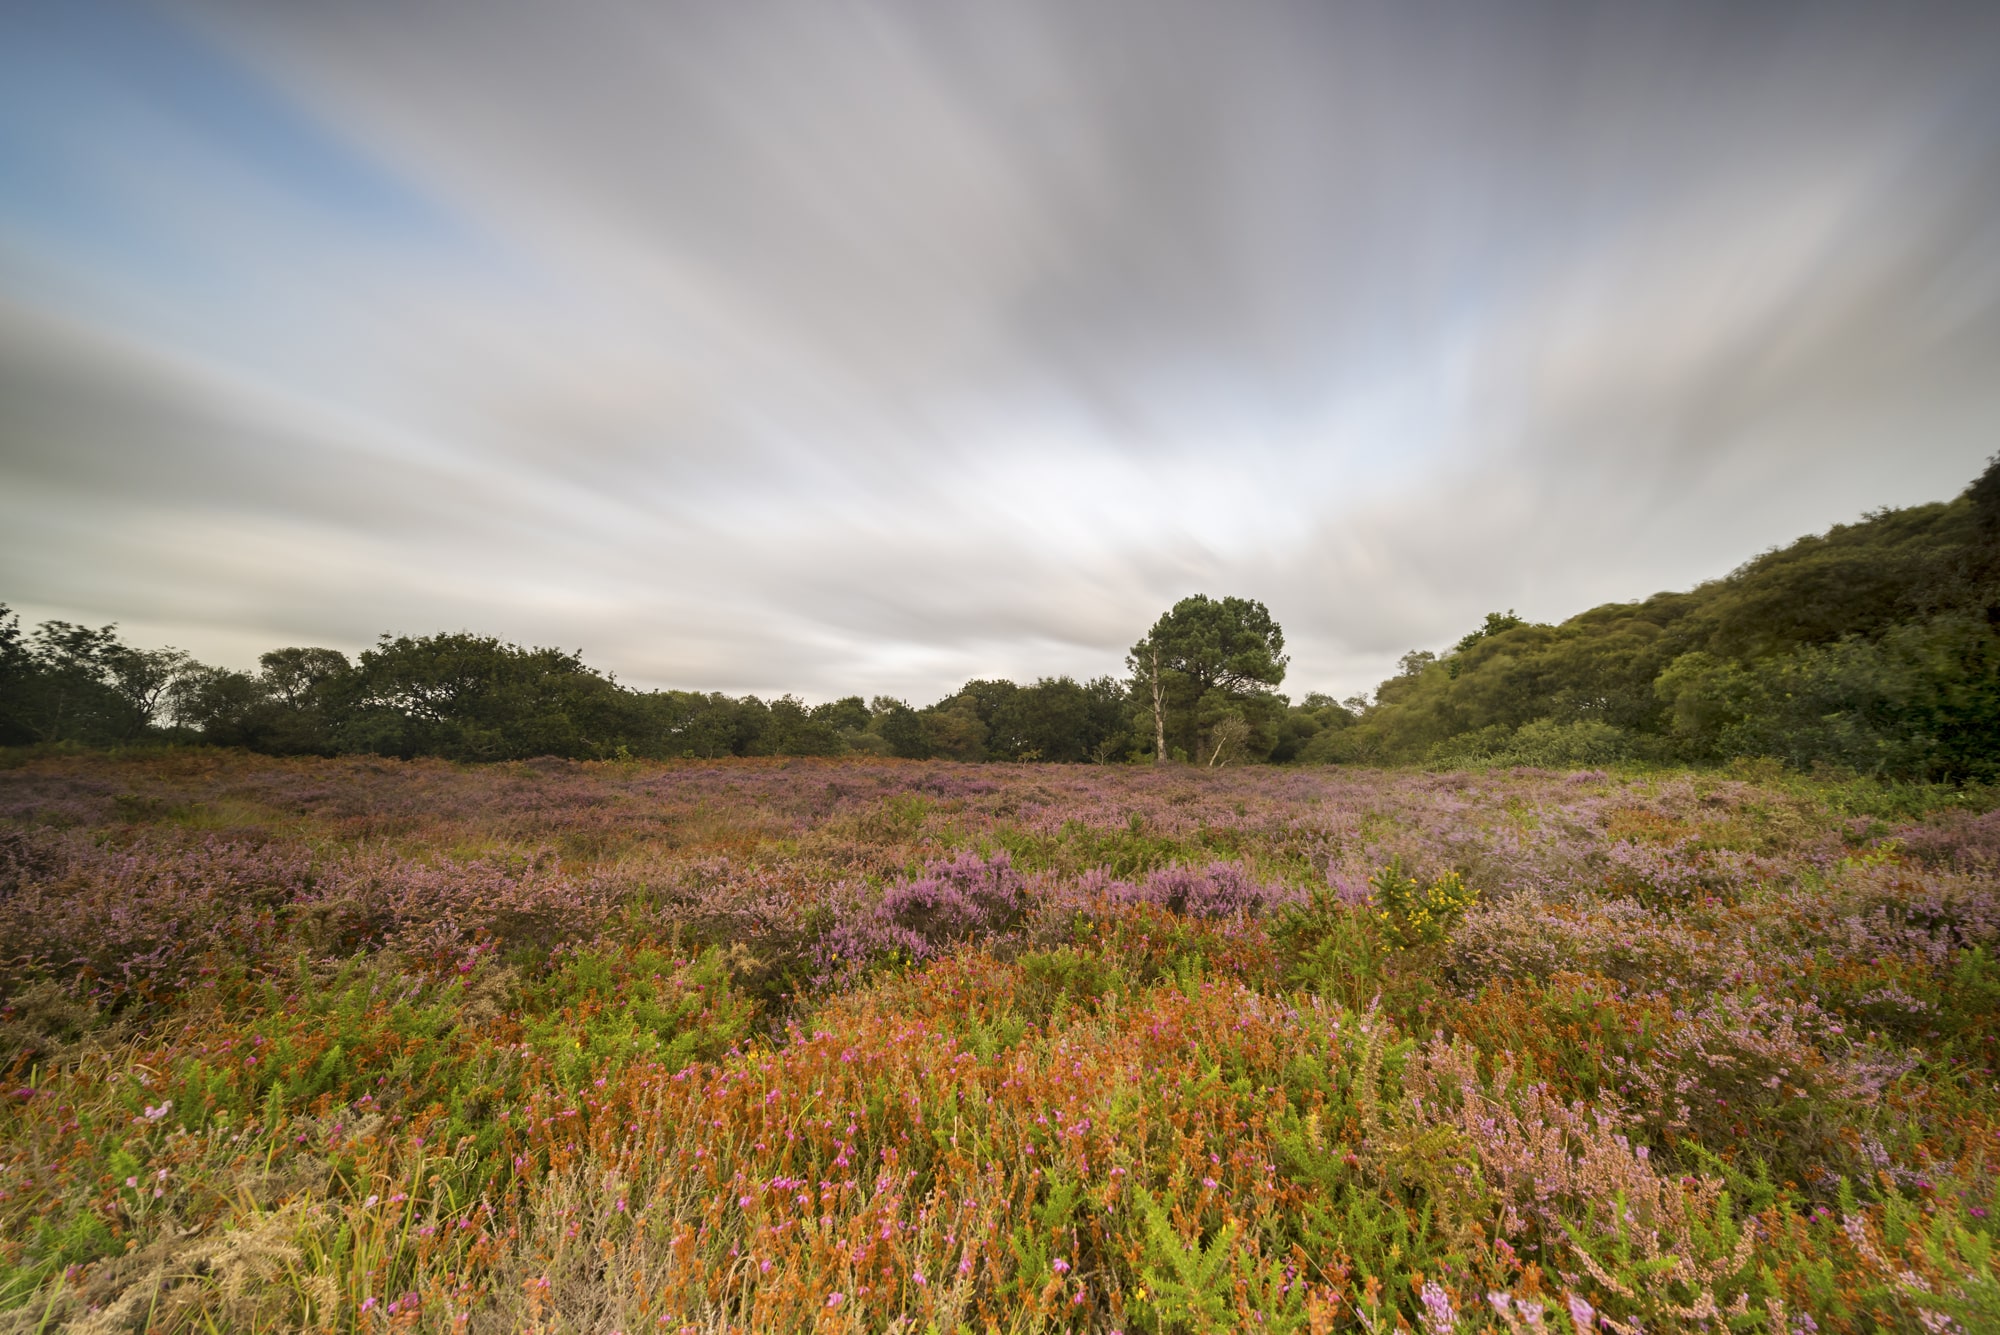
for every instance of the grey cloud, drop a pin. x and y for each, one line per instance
(871, 347)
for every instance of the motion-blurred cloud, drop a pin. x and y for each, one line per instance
(863, 347)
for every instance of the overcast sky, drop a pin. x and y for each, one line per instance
(837, 348)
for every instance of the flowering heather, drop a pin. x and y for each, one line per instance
(362, 1045)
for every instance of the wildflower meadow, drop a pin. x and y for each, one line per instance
(857, 1045)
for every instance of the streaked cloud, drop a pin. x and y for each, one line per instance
(873, 347)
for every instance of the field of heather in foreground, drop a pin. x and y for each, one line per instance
(865, 1046)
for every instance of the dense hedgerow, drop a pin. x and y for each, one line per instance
(363, 1045)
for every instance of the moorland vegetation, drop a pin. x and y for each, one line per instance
(363, 1044)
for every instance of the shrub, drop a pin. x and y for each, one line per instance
(920, 918)
(1419, 914)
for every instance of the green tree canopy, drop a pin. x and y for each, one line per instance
(1204, 678)
(69, 683)
(473, 697)
(1874, 645)
(1058, 718)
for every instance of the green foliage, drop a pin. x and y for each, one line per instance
(605, 1009)
(954, 731)
(1070, 976)
(1496, 623)
(689, 725)
(1203, 679)
(1920, 700)
(1543, 742)
(1855, 579)
(471, 697)
(1188, 1285)
(1968, 1005)
(1077, 846)
(1332, 951)
(791, 729)
(1307, 730)
(1873, 647)
(901, 727)
(849, 714)
(52, 1250)
(1414, 913)
(17, 677)
(474, 698)
(68, 683)
(1058, 719)
(336, 1036)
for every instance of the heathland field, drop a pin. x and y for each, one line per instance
(873, 1045)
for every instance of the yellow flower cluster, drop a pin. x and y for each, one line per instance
(1416, 914)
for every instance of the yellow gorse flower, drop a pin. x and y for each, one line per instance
(1417, 913)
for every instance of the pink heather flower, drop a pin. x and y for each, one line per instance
(747, 1201)
(835, 1299)
(1440, 1317)
(1582, 1313)
(918, 1279)
(1060, 1266)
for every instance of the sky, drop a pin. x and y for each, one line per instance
(838, 348)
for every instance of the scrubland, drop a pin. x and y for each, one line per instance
(868, 1045)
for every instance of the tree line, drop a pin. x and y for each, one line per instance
(1874, 647)
(475, 697)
